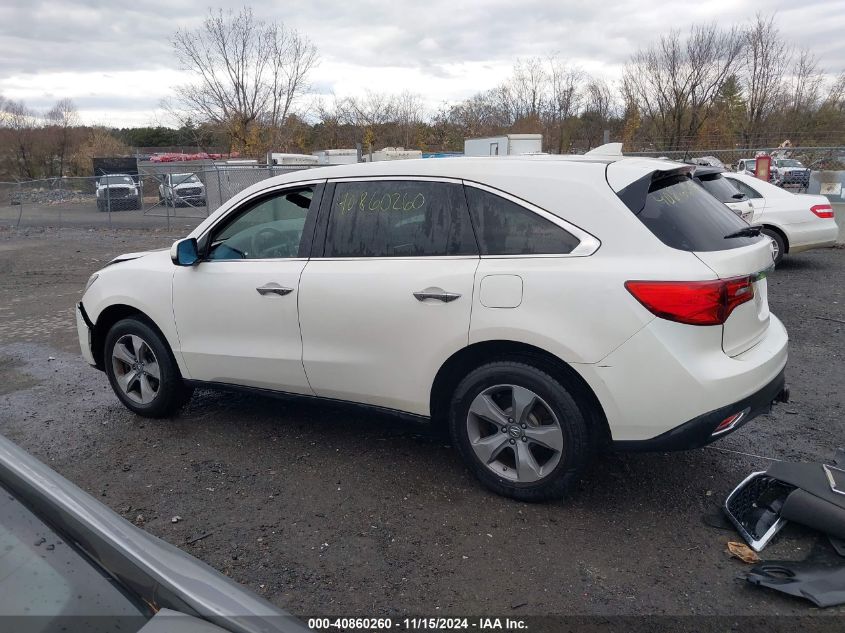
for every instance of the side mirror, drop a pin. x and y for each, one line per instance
(184, 252)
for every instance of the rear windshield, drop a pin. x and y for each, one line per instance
(684, 216)
(720, 188)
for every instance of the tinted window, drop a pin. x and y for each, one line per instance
(506, 228)
(719, 187)
(42, 575)
(270, 229)
(394, 218)
(686, 217)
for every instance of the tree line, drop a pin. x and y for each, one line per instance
(709, 87)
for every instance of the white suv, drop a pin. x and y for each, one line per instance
(541, 307)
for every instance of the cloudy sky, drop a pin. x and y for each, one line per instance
(115, 61)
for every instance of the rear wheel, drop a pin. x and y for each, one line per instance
(519, 430)
(142, 371)
(777, 243)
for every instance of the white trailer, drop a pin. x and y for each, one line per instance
(505, 145)
(337, 156)
(393, 153)
(277, 158)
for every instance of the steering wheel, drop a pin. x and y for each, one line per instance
(268, 241)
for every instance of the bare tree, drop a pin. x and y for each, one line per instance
(246, 72)
(61, 121)
(410, 110)
(21, 124)
(565, 96)
(766, 55)
(676, 80)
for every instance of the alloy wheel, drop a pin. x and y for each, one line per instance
(136, 369)
(514, 433)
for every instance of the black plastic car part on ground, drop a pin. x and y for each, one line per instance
(824, 585)
(149, 570)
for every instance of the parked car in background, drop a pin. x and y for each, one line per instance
(68, 563)
(178, 190)
(709, 161)
(788, 172)
(468, 291)
(117, 191)
(795, 222)
(713, 180)
(747, 166)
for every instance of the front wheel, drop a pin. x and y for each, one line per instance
(519, 430)
(142, 371)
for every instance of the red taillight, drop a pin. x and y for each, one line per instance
(693, 302)
(822, 210)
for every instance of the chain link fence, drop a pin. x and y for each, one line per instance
(181, 195)
(178, 196)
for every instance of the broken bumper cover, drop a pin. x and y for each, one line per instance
(84, 329)
(706, 428)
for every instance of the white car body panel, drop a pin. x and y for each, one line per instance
(229, 333)
(790, 212)
(365, 338)
(372, 341)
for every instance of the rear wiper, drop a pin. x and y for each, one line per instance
(748, 231)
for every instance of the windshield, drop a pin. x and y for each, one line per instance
(720, 188)
(789, 162)
(178, 179)
(42, 575)
(750, 165)
(117, 180)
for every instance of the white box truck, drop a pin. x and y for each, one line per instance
(505, 145)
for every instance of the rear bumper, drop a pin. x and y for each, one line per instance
(820, 233)
(668, 375)
(699, 431)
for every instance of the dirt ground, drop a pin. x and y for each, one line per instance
(330, 510)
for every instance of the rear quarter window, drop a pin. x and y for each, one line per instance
(684, 216)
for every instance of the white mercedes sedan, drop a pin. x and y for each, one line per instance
(795, 222)
(539, 307)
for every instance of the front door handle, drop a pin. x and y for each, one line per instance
(436, 293)
(273, 289)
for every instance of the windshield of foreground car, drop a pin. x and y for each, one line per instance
(42, 576)
(789, 162)
(720, 188)
(178, 179)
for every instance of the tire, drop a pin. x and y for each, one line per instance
(780, 244)
(556, 465)
(146, 395)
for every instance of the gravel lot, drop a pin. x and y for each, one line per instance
(330, 510)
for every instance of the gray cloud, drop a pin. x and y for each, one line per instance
(433, 38)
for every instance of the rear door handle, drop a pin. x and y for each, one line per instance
(439, 295)
(273, 289)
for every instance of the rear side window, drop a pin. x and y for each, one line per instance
(398, 218)
(684, 216)
(720, 188)
(506, 228)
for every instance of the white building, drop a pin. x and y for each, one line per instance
(393, 153)
(505, 145)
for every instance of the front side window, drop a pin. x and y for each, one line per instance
(398, 218)
(271, 228)
(506, 228)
